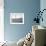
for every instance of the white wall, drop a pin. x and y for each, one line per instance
(1, 20)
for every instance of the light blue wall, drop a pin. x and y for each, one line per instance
(43, 6)
(28, 7)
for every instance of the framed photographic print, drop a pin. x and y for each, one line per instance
(16, 18)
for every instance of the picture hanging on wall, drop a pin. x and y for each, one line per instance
(16, 18)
